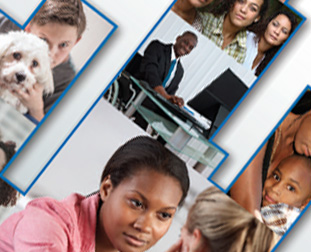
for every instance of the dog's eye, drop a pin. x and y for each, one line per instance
(17, 55)
(35, 63)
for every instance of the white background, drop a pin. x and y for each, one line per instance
(244, 132)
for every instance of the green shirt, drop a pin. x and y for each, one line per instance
(213, 27)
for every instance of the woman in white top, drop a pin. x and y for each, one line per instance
(266, 40)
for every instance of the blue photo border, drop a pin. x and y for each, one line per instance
(28, 20)
(308, 87)
(114, 27)
(246, 93)
(211, 139)
(263, 72)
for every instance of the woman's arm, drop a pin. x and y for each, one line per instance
(247, 190)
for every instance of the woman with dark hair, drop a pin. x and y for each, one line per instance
(141, 188)
(266, 40)
(8, 195)
(292, 136)
(226, 26)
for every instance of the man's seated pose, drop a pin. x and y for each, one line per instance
(161, 66)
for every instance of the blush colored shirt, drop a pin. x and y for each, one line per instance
(52, 226)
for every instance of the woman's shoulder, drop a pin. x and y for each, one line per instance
(51, 222)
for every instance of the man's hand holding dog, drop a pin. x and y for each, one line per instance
(32, 99)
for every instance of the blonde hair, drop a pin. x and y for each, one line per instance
(226, 226)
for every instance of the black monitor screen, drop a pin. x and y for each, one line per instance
(226, 90)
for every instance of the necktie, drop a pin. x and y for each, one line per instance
(173, 63)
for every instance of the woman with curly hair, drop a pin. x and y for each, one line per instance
(227, 23)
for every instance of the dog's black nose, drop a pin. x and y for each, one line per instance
(20, 76)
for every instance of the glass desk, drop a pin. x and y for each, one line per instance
(181, 135)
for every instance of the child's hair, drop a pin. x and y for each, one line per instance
(142, 153)
(260, 30)
(69, 12)
(8, 195)
(225, 226)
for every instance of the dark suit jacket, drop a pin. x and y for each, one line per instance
(155, 66)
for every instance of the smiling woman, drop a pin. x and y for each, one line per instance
(141, 188)
(226, 26)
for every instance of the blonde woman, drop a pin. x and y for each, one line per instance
(216, 223)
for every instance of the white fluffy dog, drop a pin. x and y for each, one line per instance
(24, 61)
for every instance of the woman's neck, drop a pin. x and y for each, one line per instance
(102, 242)
(185, 10)
(229, 32)
(263, 45)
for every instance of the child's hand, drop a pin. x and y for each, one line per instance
(32, 99)
(177, 247)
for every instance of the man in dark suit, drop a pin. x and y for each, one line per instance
(161, 67)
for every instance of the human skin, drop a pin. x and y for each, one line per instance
(137, 213)
(289, 183)
(277, 30)
(242, 14)
(247, 190)
(184, 45)
(186, 9)
(61, 38)
(303, 138)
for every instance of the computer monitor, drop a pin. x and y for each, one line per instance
(224, 92)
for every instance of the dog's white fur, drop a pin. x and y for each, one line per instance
(24, 61)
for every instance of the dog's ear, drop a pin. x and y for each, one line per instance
(6, 42)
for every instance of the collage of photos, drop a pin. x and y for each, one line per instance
(158, 203)
(40, 64)
(139, 182)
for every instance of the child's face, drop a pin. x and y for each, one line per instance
(288, 183)
(138, 212)
(245, 12)
(61, 38)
